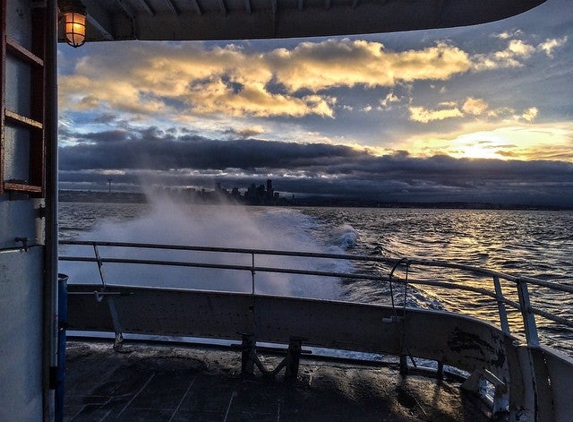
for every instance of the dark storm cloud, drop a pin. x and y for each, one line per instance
(310, 169)
(160, 150)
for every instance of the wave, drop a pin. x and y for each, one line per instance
(345, 237)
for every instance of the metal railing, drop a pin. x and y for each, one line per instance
(521, 284)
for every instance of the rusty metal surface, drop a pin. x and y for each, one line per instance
(163, 383)
(532, 382)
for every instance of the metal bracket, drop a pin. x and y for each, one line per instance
(477, 383)
(24, 241)
(250, 359)
(42, 211)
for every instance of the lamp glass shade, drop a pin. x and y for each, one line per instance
(75, 28)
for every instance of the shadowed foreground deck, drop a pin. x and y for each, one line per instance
(164, 383)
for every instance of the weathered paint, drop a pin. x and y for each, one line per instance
(25, 314)
(534, 381)
(21, 335)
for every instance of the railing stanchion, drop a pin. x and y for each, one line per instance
(528, 311)
(501, 305)
(99, 264)
(253, 273)
(527, 314)
(253, 298)
(118, 342)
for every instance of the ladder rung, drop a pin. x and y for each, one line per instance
(20, 187)
(23, 120)
(12, 46)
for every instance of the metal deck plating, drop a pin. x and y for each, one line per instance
(166, 383)
(527, 379)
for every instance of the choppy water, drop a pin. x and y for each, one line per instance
(525, 243)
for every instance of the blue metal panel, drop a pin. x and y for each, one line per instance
(17, 151)
(18, 22)
(21, 335)
(21, 219)
(22, 282)
(18, 86)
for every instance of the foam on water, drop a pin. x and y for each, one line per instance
(345, 237)
(226, 226)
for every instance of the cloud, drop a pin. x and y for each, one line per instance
(510, 57)
(508, 35)
(514, 54)
(162, 79)
(550, 44)
(214, 87)
(423, 115)
(516, 139)
(474, 106)
(246, 132)
(336, 63)
(390, 99)
(309, 169)
(530, 114)
(193, 112)
(162, 150)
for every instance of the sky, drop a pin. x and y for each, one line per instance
(472, 114)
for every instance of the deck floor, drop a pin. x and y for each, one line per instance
(164, 383)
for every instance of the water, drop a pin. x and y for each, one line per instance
(525, 243)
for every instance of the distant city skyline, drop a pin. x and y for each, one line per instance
(471, 114)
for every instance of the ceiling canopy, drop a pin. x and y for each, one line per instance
(109, 20)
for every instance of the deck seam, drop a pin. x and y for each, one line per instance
(230, 404)
(135, 396)
(183, 398)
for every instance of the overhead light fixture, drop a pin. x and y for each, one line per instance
(74, 17)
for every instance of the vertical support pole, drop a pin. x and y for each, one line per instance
(118, 342)
(62, 325)
(50, 293)
(99, 264)
(247, 352)
(253, 274)
(293, 358)
(252, 307)
(3, 11)
(501, 305)
(440, 370)
(527, 314)
(403, 364)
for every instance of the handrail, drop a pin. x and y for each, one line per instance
(527, 311)
(371, 258)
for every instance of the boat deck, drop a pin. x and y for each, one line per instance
(167, 383)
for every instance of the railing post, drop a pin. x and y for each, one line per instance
(252, 273)
(99, 264)
(501, 305)
(527, 314)
(253, 308)
(118, 342)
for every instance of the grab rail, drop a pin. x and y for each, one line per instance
(523, 305)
